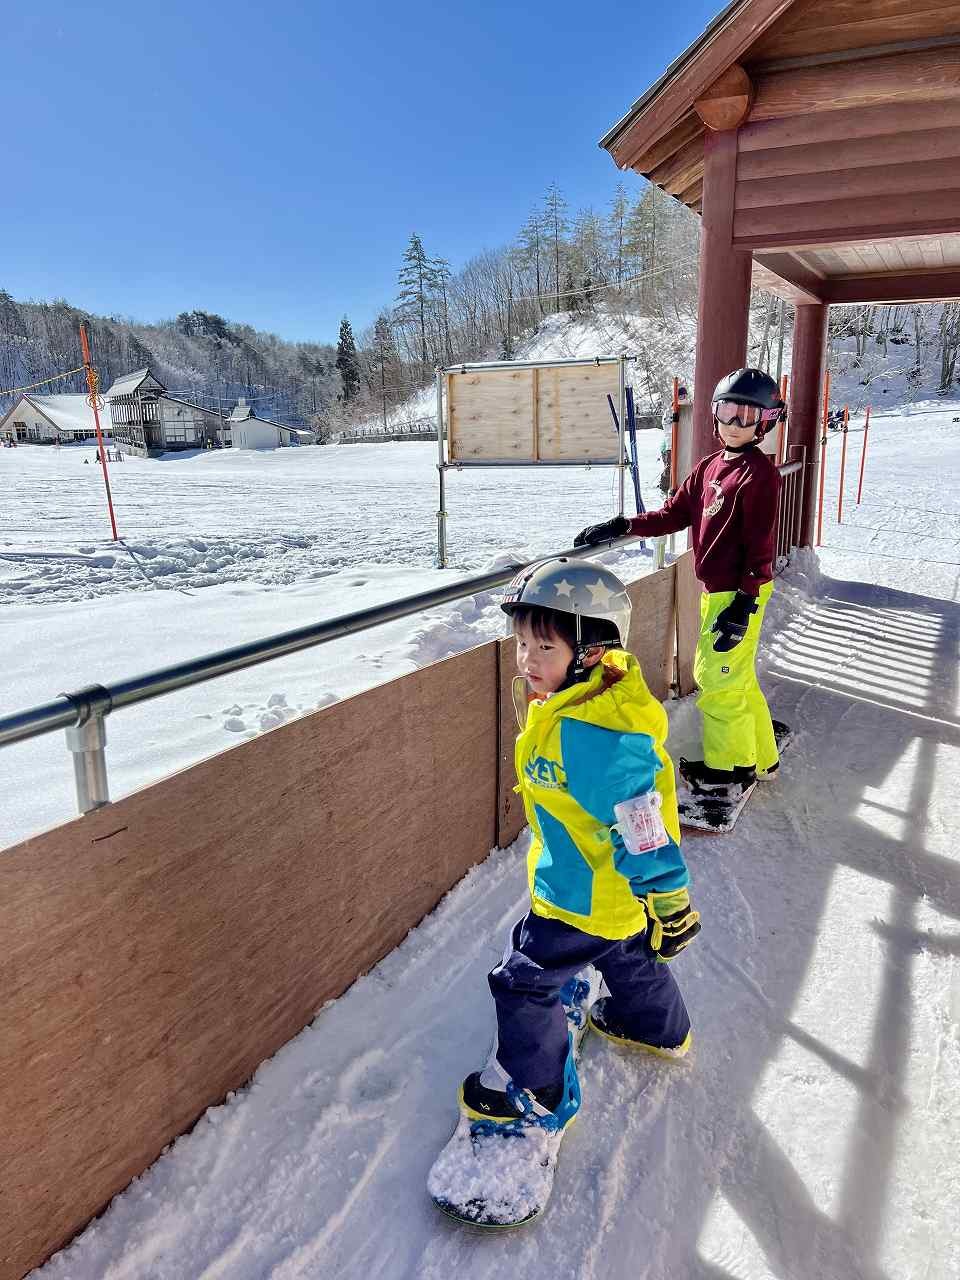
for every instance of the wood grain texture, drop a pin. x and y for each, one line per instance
(726, 103)
(688, 592)
(910, 147)
(822, 27)
(919, 77)
(850, 124)
(863, 183)
(831, 221)
(156, 951)
(690, 127)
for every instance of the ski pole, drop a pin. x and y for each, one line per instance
(634, 460)
(843, 461)
(863, 455)
(823, 455)
(675, 419)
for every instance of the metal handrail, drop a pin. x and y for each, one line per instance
(82, 713)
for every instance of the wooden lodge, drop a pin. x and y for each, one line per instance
(148, 421)
(819, 140)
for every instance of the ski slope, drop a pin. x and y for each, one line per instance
(812, 1131)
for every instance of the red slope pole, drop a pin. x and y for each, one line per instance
(92, 398)
(843, 462)
(823, 454)
(863, 455)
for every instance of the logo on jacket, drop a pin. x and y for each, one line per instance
(717, 502)
(545, 773)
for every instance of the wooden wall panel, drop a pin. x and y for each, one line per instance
(688, 620)
(865, 183)
(156, 951)
(575, 419)
(490, 415)
(832, 26)
(837, 126)
(906, 213)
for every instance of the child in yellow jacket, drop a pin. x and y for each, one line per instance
(608, 884)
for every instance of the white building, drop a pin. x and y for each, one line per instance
(247, 431)
(52, 420)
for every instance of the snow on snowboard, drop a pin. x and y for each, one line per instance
(493, 1175)
(719, 813)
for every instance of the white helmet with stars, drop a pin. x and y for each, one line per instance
(581, 587)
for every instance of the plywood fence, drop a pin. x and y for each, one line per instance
(154, 952)
(548, 414)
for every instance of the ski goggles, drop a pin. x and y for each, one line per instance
(730, 413)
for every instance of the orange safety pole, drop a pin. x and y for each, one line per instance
(674, 435)
(782, 425)
(93, 388)
(843, 461)
(863, 455)
(823, 454)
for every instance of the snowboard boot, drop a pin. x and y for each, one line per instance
(606, 1024)
(722, 784)
(491, 1096)
(783, 736)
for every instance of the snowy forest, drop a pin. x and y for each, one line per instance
(636, 258)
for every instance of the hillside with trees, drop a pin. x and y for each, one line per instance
(631, 267)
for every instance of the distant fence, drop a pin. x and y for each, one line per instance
(155, 951)
(790, 510)
(417, 429)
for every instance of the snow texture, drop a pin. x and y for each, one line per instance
(811, 1132)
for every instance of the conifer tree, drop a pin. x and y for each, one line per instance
(348, 361)
(416, 278)
(555, 214)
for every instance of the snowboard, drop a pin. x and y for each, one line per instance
(719, 814)
(496, 1176)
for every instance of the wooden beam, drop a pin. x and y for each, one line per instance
(678, 92)
(839, 221)
(920, 286)
(917, 77)
(886, 120)
(726, 104)
(681, 169)
(693, 194)
(851, 184)
(859, 153)
(813, 15)
(872, 39)
(786, 276)
(690, 127)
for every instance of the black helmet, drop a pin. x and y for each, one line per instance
(749, 386)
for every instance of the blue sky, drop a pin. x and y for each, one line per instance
(269, 161)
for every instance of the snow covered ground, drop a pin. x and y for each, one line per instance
(812, 1131)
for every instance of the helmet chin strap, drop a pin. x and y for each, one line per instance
(735, 448)
(577, 670)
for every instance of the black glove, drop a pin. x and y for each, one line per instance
(594, 534)
(730, 625)
(670, 933)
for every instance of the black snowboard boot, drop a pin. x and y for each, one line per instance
(722, 783)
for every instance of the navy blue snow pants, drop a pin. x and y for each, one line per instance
(541, 956)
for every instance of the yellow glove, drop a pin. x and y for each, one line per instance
(673, 923)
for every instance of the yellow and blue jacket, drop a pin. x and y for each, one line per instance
(579, 752)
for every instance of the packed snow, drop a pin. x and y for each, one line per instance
(812, 1130)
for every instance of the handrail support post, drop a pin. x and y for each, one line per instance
(87, 740)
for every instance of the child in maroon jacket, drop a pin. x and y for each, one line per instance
(729, 502)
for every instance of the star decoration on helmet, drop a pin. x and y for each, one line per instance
(600, 593)
(564, 588)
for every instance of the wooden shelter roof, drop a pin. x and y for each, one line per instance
(848, 119)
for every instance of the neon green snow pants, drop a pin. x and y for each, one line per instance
(737, 729)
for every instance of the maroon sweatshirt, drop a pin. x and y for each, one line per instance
(730, 504)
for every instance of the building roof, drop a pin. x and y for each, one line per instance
(65, 412)
(129, 383)
(242, 412)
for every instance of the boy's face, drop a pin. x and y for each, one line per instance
(543, 661)
(734, 435)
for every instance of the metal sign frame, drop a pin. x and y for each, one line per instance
(445, 463)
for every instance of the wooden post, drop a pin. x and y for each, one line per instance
(809, 348)
(843, 462)
(863, 455)
(724, 301)
(782, 424)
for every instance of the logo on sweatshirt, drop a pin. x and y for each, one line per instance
(717, 502)
(545, 773)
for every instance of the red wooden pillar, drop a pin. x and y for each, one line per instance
(724, 303)
(806, 378)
